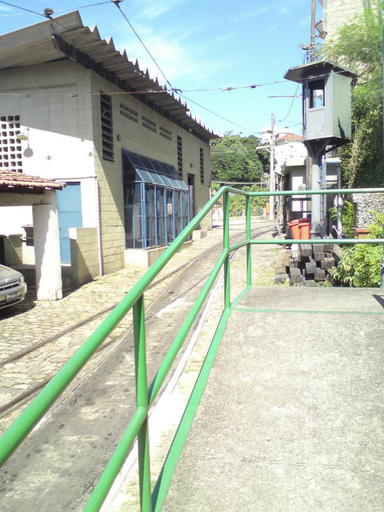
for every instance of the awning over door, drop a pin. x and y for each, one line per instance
(154, 172)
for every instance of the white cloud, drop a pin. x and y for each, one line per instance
(272, 27)
(150, 10)
(179, 55)
(176, 60)
(254, 13)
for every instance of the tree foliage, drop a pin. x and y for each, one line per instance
(234, 158)
(358, 47)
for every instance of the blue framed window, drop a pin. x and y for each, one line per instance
(155, 202)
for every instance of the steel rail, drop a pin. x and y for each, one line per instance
(36, 387)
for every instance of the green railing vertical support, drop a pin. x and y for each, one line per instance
(227, 276)
(142, 401)
(248, 238)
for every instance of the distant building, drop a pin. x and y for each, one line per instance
(136, 165)
(288, 146)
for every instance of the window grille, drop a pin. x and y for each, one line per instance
(202, 177)
(106, 127)
(167, 134)
(128, 113)
(180, 156)
(11, 156)
(149, 124)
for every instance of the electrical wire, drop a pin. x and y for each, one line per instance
(30, 11)
(172, 89)
(142, 43)
(291, 105)
(158, 91)
(61, 11)
(166, 79)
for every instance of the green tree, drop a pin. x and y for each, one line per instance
(234, 158)
(358, 47)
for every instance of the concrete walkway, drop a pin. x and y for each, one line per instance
(292, 418)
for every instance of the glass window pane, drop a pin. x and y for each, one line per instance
(150, 215)
(156, 178)
(132, 216)
(160, 214)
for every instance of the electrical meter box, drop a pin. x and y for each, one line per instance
(326, 101)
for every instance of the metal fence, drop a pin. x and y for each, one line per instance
(152, 499)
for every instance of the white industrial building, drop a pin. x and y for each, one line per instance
(135, 163)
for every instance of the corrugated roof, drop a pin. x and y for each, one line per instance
(21, 182)
(68, 36)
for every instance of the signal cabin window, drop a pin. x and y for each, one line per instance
(316, 94)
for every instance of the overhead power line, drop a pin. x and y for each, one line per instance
(30, 11)
(61, 11)
(117, 3)
(291, 105)
(142, 42)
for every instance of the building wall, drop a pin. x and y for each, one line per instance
(286, 150)
(55, 116)
(60, 120)
(338, 13)
(133, 136)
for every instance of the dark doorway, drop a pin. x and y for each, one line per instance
(191, 186)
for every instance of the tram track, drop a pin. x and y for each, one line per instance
(58, 464)
(151, 313)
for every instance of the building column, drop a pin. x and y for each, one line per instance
(47, 249)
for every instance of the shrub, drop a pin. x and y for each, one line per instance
(360, 266)
(237, 202)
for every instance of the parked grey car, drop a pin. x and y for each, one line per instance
(12, 287)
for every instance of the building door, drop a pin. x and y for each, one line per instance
(191, 186)
(69, 210)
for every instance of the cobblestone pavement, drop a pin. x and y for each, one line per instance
(58, 464)
(34, 321)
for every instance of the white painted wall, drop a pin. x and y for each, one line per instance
(13, 217)
(288, 150)
(55, 107)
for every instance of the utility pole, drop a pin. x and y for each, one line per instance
(272, 170)
(312, 55)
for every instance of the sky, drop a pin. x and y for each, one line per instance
(205, 44)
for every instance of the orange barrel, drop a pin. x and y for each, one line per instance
(294, 227)
(305, 229)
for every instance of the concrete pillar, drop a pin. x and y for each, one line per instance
(47, 249)
(316, 221)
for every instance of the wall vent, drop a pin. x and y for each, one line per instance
(180, 156)
(149, 124)
(106, 126)
(11, 156)
(202, 177)
(128, 113)
(167, 134)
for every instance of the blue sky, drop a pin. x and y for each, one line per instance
(205, 44)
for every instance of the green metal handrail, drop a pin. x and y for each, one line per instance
(145, 396)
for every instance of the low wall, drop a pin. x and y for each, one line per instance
(84, 257)
(365, 203)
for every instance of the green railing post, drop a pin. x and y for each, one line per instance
(142, 401)
(248, 238)
(227, 277)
